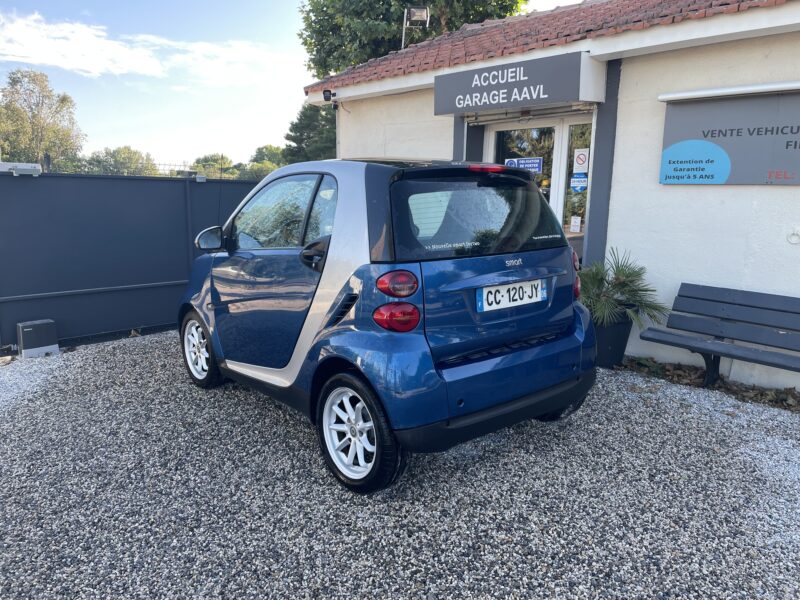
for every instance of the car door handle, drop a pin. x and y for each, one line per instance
(313, 255)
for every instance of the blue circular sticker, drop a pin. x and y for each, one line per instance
(696, 162)
(510, 162)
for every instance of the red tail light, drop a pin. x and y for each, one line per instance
(398, 284)
(397, 316)
(487, 168)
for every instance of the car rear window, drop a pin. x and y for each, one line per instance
(477, 215)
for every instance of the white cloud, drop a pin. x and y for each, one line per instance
(89, 51)
(543, 5)
(221, 64)
(179, 99)
(84, 49)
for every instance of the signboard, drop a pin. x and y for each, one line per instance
(580, 161)
(527, 83)
(575, 224)
(579, 182)
(743, 140)
(534, 165)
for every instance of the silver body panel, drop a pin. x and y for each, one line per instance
(348, 250)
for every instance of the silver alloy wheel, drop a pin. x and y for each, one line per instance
(195, 349)
(349, 433)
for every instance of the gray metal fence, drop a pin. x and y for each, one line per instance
(101, 254)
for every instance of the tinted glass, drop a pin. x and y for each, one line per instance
(320, 221)
(576, 197)
(473, 216)
(536, 143)
(274, 217)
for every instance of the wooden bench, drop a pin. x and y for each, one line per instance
(723, 316)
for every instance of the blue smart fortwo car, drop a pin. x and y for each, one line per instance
(402, 307)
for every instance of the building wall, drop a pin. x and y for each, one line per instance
(734, 236)
(397, 126)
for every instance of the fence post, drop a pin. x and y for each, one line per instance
(190, 244)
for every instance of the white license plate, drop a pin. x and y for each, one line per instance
(513, 294)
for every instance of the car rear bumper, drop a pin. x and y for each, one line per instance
(442, 435)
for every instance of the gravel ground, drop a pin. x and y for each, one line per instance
(119, 478)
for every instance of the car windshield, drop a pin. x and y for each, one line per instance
(476, 215)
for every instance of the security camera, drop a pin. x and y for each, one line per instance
(327, 95)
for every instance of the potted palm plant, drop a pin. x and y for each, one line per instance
(617, 295)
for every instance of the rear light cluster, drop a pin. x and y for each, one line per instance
(397, 316)
(576, 285)
(398, 284)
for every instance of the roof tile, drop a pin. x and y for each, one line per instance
(523, 33)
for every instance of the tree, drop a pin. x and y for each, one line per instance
(6, 133)
(120, 161)
(312, 136)
(216, 166)
(341, 33)
(256, 171)
(269, 153)
(36, 122)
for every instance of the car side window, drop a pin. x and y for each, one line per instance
(274, 217)
(320, 221)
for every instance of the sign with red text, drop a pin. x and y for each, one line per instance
(743, 140)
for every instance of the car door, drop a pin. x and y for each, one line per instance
(264, 284)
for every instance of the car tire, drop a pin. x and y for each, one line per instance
(198, 353)
(356, 440)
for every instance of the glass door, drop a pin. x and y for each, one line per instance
(576, 186)
(558, 152)
(531, 149)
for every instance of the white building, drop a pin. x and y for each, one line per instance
(627, 80)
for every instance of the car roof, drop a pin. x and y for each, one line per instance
(406, 163)
(415, 165)
(433, 167)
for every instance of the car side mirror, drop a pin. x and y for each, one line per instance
(209, 239)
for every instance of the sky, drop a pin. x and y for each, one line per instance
(174, 78)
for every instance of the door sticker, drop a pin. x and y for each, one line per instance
(579, 182)
(580, 161)
(534, 165)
